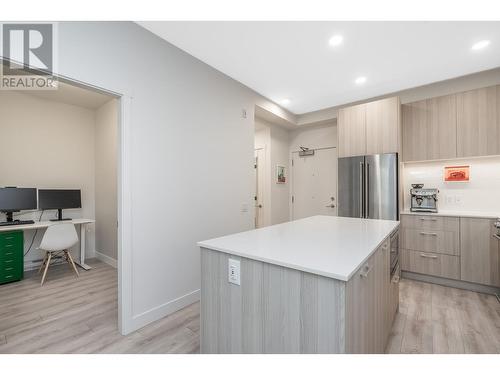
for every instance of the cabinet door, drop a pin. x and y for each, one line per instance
(352, 131)
(478, 122)
(479, 251)
(429, 129)
(383, 126)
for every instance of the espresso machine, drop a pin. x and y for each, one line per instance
(423, 200)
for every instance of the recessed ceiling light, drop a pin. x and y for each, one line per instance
(336, 40)
(360, 80)
(480, 45)
(285, 101)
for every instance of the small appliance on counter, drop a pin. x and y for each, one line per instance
(423, 200)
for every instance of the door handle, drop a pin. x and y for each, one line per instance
(361, 189)
(428, 234)
(367, 271)
(367, 190)
(428, 256)
(330, 205)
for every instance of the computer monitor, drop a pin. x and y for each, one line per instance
(13, 199)
(58, 199)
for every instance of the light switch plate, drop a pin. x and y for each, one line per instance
(233, 271)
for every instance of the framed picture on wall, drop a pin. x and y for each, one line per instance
(457, 174)
(280, 174)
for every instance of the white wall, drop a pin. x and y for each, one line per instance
(480, 194)
(46, 144)
(106, 151)
(314, 137)
(190, 157)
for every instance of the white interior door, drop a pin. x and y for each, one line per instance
(314, 183)
(259, 169)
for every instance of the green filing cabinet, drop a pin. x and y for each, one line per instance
(11, 256)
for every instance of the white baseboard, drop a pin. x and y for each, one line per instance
(106, 259)
(143, 319)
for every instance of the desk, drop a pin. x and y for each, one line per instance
(44, 224)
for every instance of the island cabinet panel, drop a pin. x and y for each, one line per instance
(368, 316)
(479, 248)
(430, 129)
(274, 310)
(478, 122)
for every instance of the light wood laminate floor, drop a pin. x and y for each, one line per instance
(69, 315)
(439, 319)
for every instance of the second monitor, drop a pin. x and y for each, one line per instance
(57, 199)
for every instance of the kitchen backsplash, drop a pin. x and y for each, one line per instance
(481, 193)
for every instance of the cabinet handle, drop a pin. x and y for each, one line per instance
(8, 277)
(8, 245)
(9, 238)
(9, 253)
(428, 256)
(365, 274)
(424, 219)
(428, 234)
(497, 236)
(395, 279)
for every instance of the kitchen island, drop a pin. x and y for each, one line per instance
(316, 285)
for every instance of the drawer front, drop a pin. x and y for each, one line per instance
(434, 241)
(440, 265)
(11, 256)
(428, 222)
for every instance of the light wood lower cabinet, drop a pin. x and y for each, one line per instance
(451, 247)
(434, 264)
(369, 314)
(281, 310)
(431, 240)
(480, 258)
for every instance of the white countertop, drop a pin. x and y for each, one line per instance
(330, 246)
(478, 214)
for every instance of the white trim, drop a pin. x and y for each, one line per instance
(106, 259)
(164, 309)
(124, 184)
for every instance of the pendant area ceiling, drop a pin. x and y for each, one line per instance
(294, 65)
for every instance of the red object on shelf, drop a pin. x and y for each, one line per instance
(458, 173)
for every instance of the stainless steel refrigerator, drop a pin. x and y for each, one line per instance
(368, 186)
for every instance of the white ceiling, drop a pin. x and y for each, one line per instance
(294, 60)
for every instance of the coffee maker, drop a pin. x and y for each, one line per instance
(423, 200)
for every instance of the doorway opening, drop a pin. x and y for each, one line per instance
(72, 138)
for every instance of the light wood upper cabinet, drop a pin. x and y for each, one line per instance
(352, 131)
(383, 126)
(479, 252)
(478, 122)
(430, 129)
(371, 128)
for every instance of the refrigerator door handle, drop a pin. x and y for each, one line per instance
(367, 191)
(361, 189)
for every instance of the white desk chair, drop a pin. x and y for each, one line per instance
(57, 241)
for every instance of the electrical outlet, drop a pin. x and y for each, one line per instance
(233, 271)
